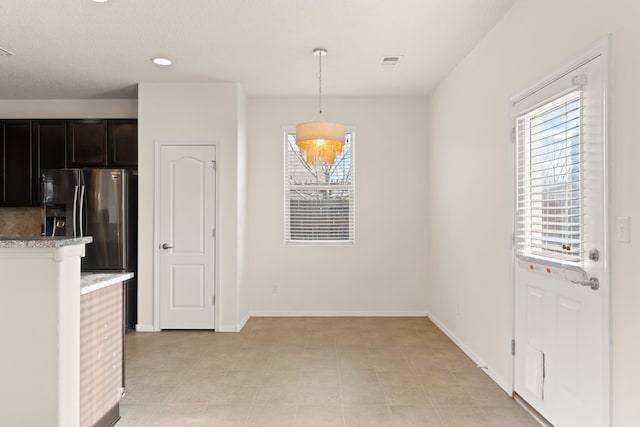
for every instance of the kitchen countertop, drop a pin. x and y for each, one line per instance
(42, 242)
(90, 282)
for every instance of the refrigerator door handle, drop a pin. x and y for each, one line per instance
(75, 207)
(81, 210)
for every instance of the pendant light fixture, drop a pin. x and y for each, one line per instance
(320, 142)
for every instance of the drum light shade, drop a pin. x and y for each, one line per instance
(320, 142)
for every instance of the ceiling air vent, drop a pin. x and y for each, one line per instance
(5, 52)
(390, 62)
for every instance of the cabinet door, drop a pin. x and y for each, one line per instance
(123, 143)
(16, 168)
(87, 143)
(49, 147)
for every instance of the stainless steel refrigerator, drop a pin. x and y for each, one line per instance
(101, 203)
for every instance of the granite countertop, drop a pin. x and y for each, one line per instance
(90, 282)
(42, 242)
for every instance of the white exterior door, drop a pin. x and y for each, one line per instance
(186, 236)
(561, 359)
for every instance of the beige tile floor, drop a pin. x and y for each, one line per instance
(310, 372)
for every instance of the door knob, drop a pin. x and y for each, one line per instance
(166, 246)
(592, 282)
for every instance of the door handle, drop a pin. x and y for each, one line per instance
(592, 282)
(81, 210)
(166, 246)
(75, 209)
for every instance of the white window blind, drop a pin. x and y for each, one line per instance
(319, 199)
(550, 203)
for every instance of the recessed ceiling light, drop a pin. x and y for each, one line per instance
(161, 61)
(100, 1)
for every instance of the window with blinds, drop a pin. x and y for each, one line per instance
(319, 199)
(550, 200)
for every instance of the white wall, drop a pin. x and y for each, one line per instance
(68, 108)
(384, 272)
(198, 113)
(244, 309)
(469, 223)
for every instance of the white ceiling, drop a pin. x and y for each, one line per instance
(81, 49)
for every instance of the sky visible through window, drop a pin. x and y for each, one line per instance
(300, 172)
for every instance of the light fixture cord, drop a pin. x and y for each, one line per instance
(320, 83)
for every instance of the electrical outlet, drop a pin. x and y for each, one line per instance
(623, 232)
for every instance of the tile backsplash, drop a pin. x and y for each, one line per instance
(20, 222)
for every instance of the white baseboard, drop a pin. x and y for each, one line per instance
(223, 328)
(145, 328)
(227, 328)
(243, 322)
(331, 313)
(498, 379)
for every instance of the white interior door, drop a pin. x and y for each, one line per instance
(187, 236)
(561, 282)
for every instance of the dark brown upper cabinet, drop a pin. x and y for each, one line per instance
(123, 143)
(29, 146)
(87, 143)
(16, 166)
(49, 149)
